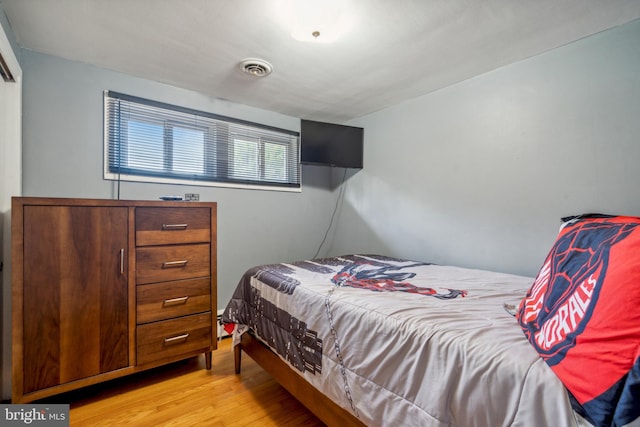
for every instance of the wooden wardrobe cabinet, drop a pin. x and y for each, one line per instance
(105, 288)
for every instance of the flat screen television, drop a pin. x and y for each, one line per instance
(330, 144)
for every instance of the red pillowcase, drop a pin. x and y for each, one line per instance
(582, 315)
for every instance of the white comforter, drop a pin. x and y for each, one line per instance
(405, 359)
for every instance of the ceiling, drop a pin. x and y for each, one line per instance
(388, 52)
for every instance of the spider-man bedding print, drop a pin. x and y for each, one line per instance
(348, 324)
(386, 278)
(582, 315)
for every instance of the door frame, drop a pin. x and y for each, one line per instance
(10, 185)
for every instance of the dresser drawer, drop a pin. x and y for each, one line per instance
(160, 301)
(163, 226)
(169, 338)
(166, 263)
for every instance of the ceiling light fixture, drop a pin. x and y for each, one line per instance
(256, 67)
(320, 21)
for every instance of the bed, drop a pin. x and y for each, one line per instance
(376, 340)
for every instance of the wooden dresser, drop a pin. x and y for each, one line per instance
(106, 288)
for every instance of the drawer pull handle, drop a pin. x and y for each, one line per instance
(174, 226)
(177, 339)
(174, 264)
(121, 261)
(175, 301)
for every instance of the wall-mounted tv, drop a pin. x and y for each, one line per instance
(330, 144)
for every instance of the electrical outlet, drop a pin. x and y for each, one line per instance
(192, 197)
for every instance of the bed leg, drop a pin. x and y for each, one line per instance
(207, 360)
(237, 357)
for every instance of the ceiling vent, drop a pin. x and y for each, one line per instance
(256, 67)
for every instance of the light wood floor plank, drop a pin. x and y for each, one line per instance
(185, 394)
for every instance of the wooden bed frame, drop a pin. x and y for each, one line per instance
(323, 407)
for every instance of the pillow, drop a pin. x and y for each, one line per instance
(582, 315)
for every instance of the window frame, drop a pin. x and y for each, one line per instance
(218, 145)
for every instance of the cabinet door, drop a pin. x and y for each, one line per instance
(75, 293)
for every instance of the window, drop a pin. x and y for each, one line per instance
(152, 141)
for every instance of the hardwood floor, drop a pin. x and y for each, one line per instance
(186, 394)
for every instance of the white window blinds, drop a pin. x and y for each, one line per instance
(155, 141)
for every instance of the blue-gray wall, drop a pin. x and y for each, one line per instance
(478, 174)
